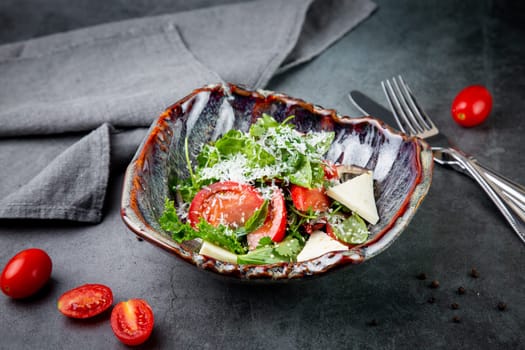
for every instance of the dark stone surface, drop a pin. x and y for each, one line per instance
(439, 47)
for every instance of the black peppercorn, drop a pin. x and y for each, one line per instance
(502, 306)
(434, 284)
(461, 291)
(422, 276)
(454, 306)
(373, 323)
(474, 273)
(456, 319)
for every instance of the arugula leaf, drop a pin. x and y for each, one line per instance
(303, 174)
(257, 219)
(208, 156)
(268, 252)
(220, 235)
(319, 143)
(262, 124)
(244, 155)
(264, 241)
(234, 141)
(259, 256)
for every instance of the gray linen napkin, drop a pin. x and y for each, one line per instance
(65, 99)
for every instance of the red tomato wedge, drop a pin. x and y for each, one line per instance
(85, 301)
(309, 198)
(229, 203)
(132, 321)
(275, 224)
(26, 273)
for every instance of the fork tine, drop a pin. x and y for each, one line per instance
(410, 117)
(395, 105)
(424, 120)
(407, 106)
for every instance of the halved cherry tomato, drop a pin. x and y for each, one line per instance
(275, 224)
(85, 301)
(309, 198)
(330, 232)
(26, 273)
(471, 106)
(132, 321)
(228, 203)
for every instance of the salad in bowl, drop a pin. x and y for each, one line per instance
(257, 197)
(259, 185)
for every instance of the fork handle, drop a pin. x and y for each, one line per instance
(508, 188)
(514, 191)
(509, 208)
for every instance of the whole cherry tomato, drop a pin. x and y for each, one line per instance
(26, 273)
(132, 321)
(85, 301)
(472, 106)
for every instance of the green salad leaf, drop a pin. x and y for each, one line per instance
(268, 252)
(259, 128)
(220, 235)
(264, 241)
(170, 221)
(255, 221)
(270, 150)
(260, 256)
(352, 229)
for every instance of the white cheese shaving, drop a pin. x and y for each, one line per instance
(357, 194)
(319, 243)
(217, 252)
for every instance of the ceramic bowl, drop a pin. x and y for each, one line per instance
(402, 171)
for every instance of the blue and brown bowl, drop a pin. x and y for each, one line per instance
(402, 168)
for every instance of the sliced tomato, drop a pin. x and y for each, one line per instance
(275, 224)
(132, 321)
(309, 198)
(228, 203)
(85, 301)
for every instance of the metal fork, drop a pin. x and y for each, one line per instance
(508, 196)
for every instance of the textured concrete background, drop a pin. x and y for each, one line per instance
(440, 47)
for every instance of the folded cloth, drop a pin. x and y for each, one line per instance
(92, 83)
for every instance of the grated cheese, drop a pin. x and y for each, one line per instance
(276, 142)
